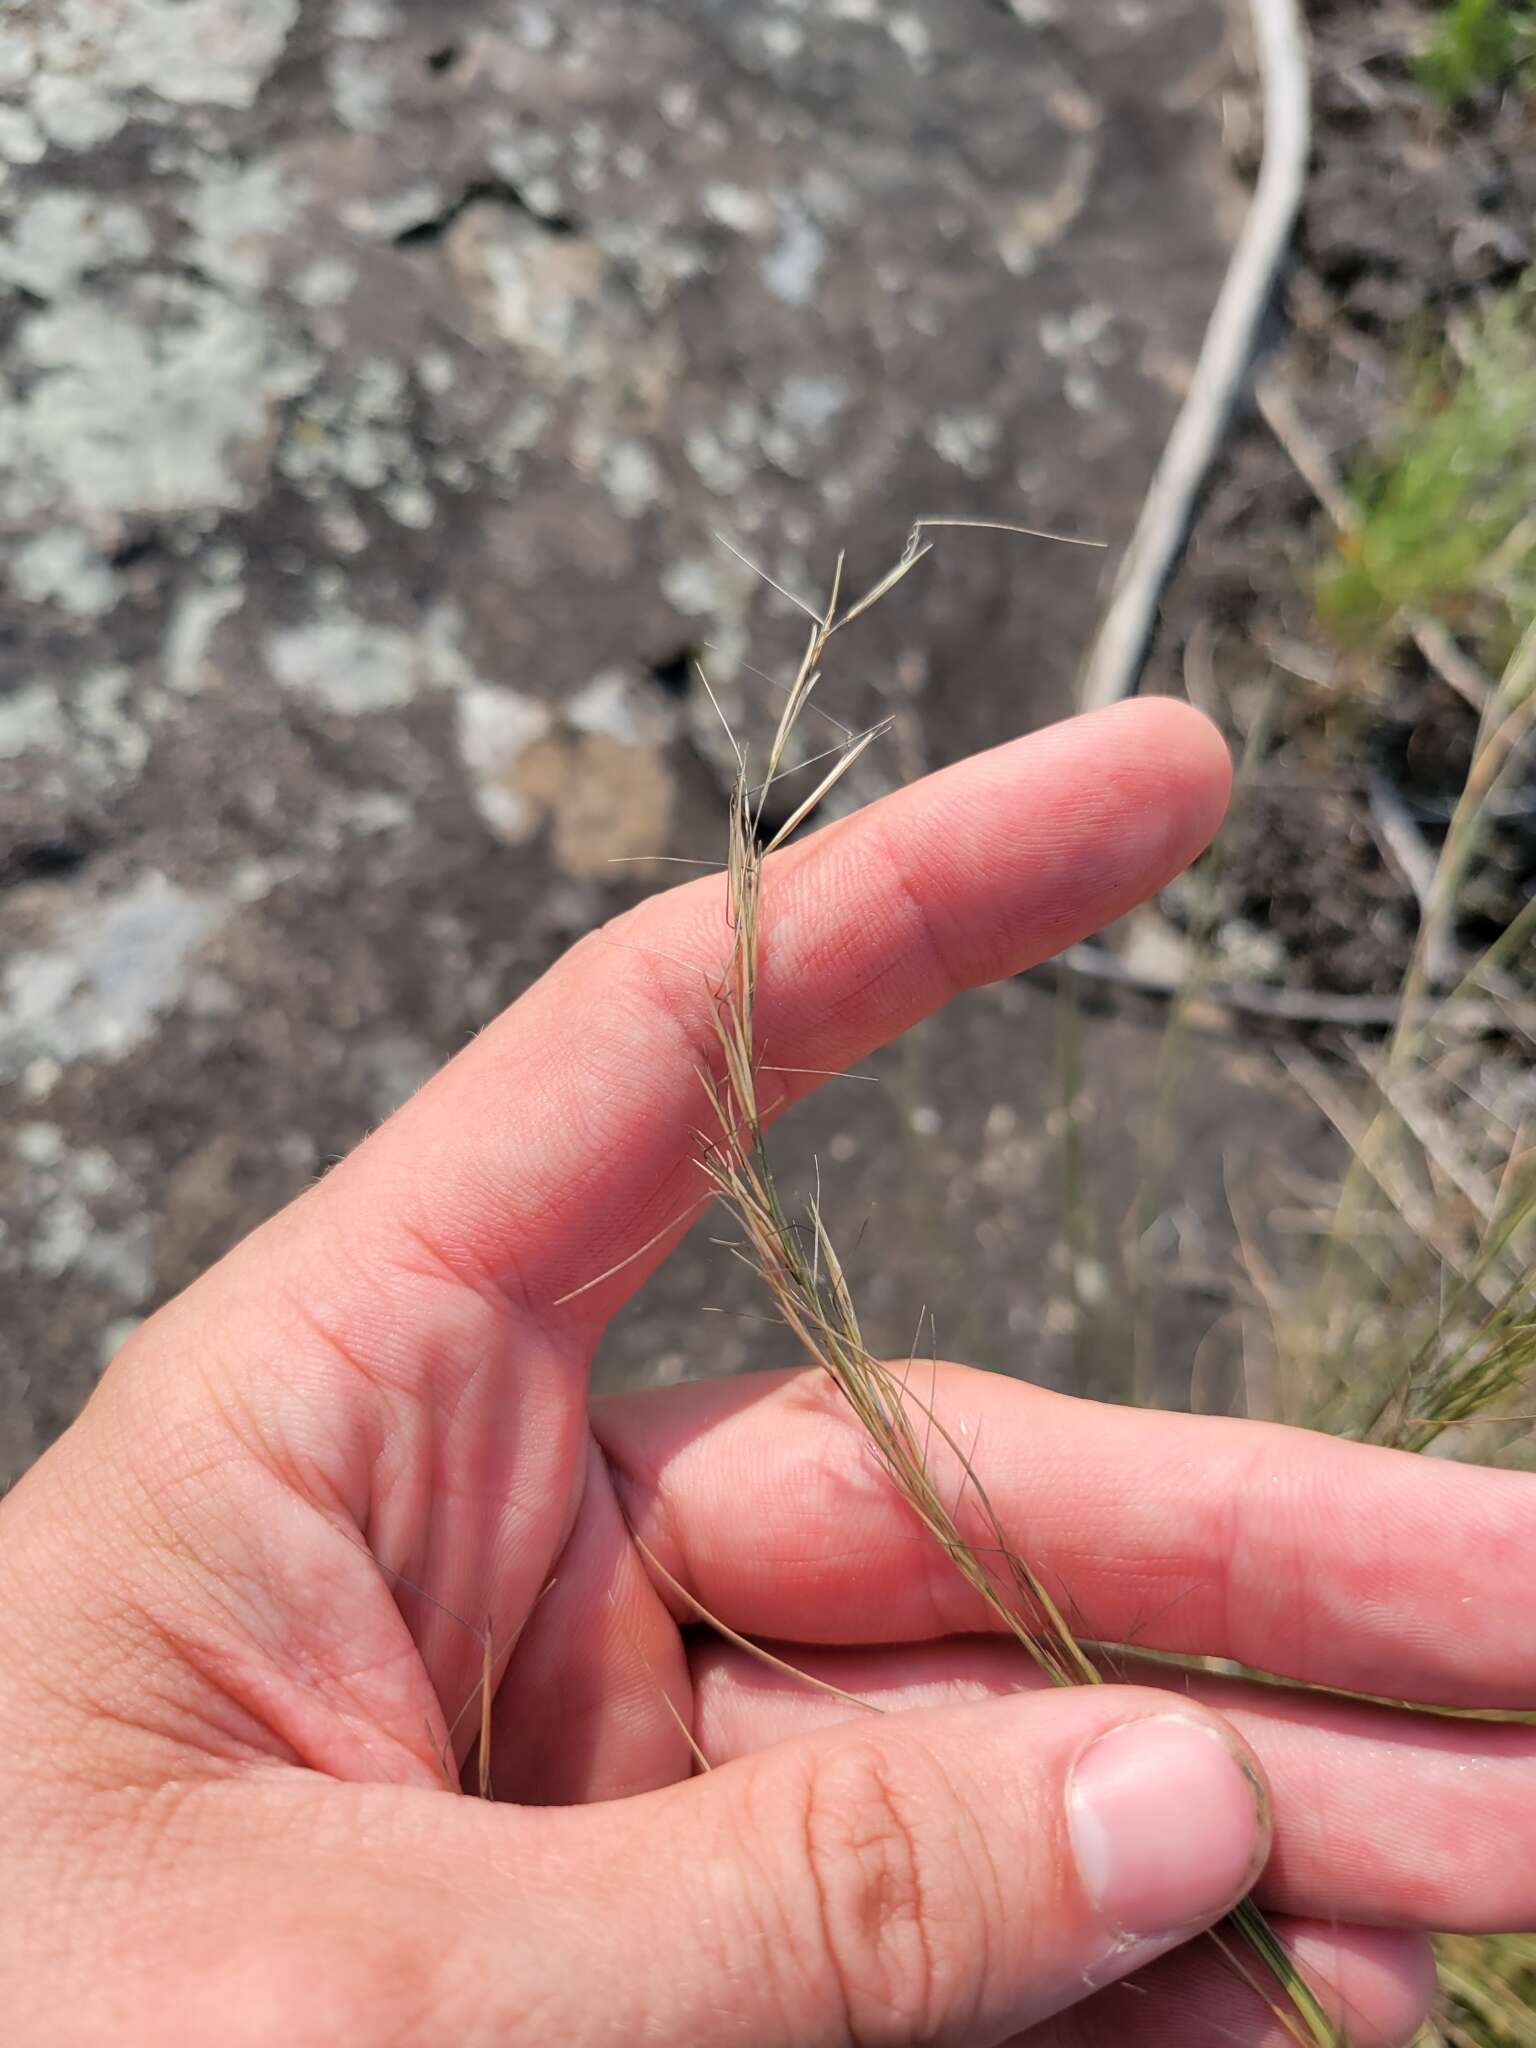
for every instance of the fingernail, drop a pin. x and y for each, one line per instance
(1169, 1827)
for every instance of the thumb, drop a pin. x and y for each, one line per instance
(945, 1877)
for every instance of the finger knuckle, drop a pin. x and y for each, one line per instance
(889, 1867)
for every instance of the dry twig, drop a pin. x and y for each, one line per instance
(1114, 663)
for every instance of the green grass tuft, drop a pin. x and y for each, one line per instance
(1445, 506)
(1478, 45)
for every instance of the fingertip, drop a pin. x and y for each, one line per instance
(1184, 753)
(1379, 1983)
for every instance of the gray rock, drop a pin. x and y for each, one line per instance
(376, 379)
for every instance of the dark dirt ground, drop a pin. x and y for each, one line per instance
(1413, 219)
(374, 392)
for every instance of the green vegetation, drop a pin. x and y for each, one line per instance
(1490, 1992)
(1446, 510)
(1478, 44)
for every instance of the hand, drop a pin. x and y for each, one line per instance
(235, 1651)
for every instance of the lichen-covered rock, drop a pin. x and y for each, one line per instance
(374, 380)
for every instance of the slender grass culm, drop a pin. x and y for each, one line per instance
(796, 1261)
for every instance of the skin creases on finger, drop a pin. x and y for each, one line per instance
(941, 1877)
(1392, 1818)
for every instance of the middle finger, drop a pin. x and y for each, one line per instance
(1333, 1563)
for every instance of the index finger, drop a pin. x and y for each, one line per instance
(559, 1146)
